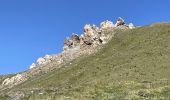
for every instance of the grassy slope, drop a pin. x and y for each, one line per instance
(134, 64)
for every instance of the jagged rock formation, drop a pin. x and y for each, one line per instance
(93, 35)
(119, 22)
(74, 47)
(107, 24)
(71, 42)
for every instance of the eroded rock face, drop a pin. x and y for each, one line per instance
(92, 36)
(75, 37)
(68, 43)
(71, 42)
(75, 40)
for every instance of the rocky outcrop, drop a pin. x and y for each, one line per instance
(92, 36)
(106, 24)
(19, 78)
(131, 26)
(32, 66)
(42, 61)
(120, 21)
(74, 47)
(71, 42)
(90, 30)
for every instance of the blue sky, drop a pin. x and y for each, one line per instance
(29, 29)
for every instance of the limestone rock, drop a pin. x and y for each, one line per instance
(13, 80)
(68, 43)
(48, 57)
(88, 41)
(33, 65)
(106, 24)
(75, 39)
(120, 21)
(71, 42)
(41, 61)
(82, 39)
(60, 61)
(90, 30)
(131, 26)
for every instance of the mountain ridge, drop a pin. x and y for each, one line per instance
(131, 65)
(73, 48)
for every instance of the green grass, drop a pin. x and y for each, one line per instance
(135, 64)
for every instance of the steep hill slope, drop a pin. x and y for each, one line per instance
(135, 64)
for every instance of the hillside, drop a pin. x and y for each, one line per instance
(134, 64)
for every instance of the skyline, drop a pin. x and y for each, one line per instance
(32, 29)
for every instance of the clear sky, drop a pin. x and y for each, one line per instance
(30, 29)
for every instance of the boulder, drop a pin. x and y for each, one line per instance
(106, 24)
(120, 21)
(32, 66)
(48, 57)
(41, 61)
(90, 30)
(131, 26)
(75, 40)
(68, 43)
(75, 37)
(82, 39)
(71, 42)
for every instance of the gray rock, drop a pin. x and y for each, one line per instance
(120, 21)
